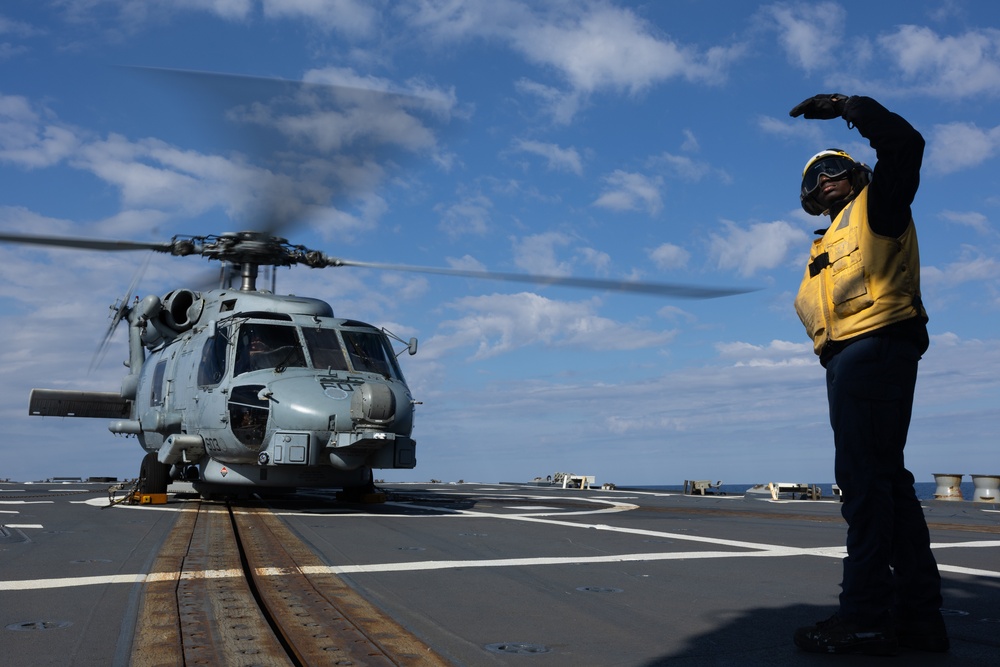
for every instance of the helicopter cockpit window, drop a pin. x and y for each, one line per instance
(213, 359)
(371, 352)
(262, 346)
(248, 414)
(324, 349)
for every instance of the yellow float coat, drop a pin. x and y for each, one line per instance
(858, 281)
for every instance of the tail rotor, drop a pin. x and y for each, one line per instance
(119, 311)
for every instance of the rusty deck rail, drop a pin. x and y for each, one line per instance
(234, 586)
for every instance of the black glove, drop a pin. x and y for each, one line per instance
(822, 107)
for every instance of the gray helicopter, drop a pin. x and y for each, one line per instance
(238, 388)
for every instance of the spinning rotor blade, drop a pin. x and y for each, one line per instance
(229, 85)
(86, 244)
(310, 145)
(655, 289)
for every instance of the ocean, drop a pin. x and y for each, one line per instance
(925, 490)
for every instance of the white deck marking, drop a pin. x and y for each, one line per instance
(740, 549)
(765, 551)
(532, 507)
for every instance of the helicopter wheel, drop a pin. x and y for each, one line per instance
(154, 477)
(367, 494)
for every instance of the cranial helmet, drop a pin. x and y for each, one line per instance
(834, 163)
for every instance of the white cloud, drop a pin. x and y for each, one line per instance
(17, 28)
(670, 256)
(466, 263)
(594, 46)
(471, 215)
(134, 15)
(501, 323)
(686, 168)
(336, 225)
(597, 259)
(347, 113)
(557, 158)
(952, 66)
(812, 35)
(608, 47)
(29, 137)
(973, 265)
(161, 179)
(561, 105)
(444, 21)
(151, 173)
(971, 219)
(17, 219)
(627, 191)
(537, 254)
(690, 144)
(761, 246)
(354, 17)
(957, 146)
(775, 353)
(785, 128)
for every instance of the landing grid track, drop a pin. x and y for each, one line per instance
(231, 587)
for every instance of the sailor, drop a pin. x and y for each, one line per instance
(860, 303)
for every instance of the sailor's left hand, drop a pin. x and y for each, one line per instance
(821, 107)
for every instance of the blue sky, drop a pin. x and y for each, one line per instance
(620, 140)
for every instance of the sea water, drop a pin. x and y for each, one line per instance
(925, 490)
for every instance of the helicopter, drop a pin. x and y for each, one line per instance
(237, 388)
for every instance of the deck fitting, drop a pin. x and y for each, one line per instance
(39, 625)
(516, 647)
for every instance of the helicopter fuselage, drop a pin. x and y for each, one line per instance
(232, 387)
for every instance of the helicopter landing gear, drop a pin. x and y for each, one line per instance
(367, 494)
(154, 477)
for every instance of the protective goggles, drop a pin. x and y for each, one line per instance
(834, 168)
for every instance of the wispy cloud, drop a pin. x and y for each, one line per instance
(958, 146)
(952, 66)
(757, 247)
(556, 157)
(812, 35)
(630, 191)
(497, 324)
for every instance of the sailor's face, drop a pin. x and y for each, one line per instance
(832, 190)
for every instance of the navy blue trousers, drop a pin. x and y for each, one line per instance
(889, 567)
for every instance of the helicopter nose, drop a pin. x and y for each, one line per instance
(312, 404)
(373, 404)
(345, 422)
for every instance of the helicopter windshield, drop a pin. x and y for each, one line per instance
(371, 352)
(262, 346)
(324, 349)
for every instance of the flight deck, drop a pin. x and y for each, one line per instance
(453, 574)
